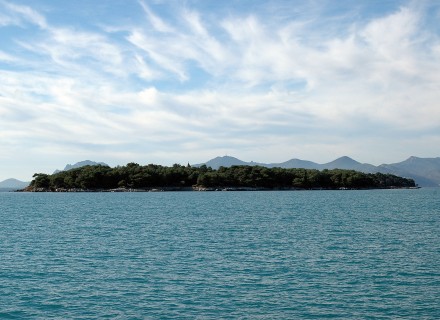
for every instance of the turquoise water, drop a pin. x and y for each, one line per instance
(248, 255)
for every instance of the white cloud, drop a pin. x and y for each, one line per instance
(19, 14)
(157, 23)
(6, 57)
(7, 20)
(195, 87)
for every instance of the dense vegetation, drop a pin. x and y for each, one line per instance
(135, 176)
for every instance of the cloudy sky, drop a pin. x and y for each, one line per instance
(184, 81)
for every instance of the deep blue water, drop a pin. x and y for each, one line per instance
(249, 255)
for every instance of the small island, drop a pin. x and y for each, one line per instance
(135, 177)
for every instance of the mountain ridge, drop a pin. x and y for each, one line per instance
(12, 183)
(81, 164)
(424, 171)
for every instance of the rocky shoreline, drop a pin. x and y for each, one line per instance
(193, 188)
(158, 189)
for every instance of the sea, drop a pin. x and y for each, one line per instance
(345, 254)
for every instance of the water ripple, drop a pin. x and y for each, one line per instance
(247, 255)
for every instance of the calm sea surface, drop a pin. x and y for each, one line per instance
(248, 255)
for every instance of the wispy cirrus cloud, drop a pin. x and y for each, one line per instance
(20, 14)
(265, 84)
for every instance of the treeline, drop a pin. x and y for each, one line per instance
(135, 176)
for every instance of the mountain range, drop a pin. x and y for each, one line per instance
(424, 171)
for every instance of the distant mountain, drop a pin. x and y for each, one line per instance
(349, 164)
(226, 161)
(342, 162)
(295, 163)
(81, 164)
(424, 171)
(13, 184)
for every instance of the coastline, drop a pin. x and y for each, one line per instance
(195, 188)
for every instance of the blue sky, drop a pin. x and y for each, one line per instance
(184, 81)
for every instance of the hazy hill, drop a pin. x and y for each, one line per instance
(350, 164)
(81, 164)
(340, 163)
(13, 184)
(227, 161)
(296, 163)
(424, 171)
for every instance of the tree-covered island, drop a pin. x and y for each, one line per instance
(135, 177)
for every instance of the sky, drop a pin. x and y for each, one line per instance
(164, 82)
